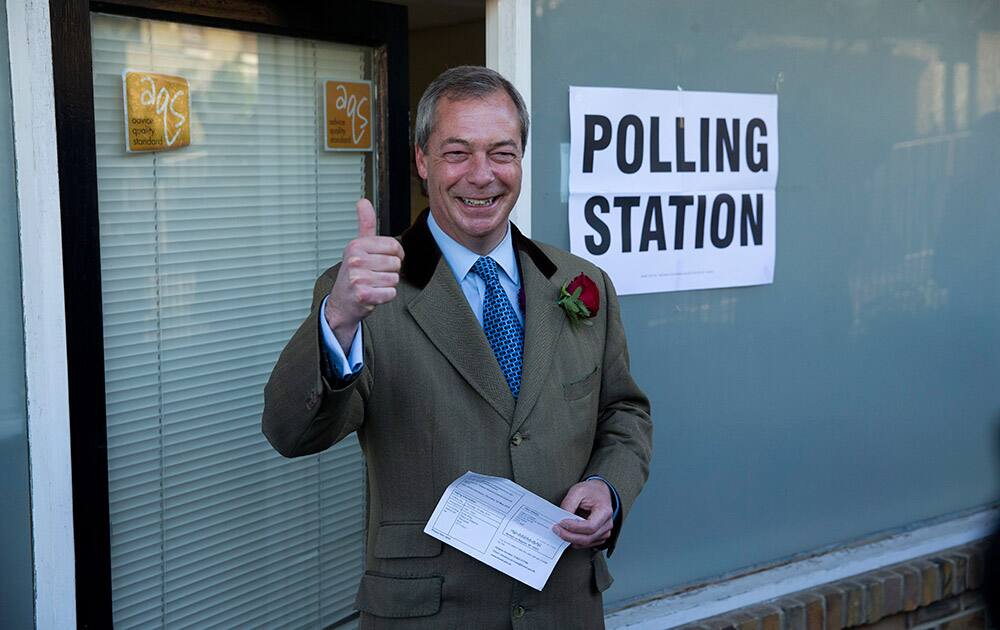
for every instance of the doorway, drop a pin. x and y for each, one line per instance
(186, 270)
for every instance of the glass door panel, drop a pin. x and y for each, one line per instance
(208, 256)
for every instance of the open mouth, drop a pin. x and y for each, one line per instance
(478, 203)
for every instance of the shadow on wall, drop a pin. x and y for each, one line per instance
(966, 250)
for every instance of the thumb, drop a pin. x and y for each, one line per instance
(572, 500)
(366, 218)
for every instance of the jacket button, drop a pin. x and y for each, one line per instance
(518, 612)
(312, 400)
(516, 440)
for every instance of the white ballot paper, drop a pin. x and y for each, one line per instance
(498, 522)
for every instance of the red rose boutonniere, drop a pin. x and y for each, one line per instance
(580, 298)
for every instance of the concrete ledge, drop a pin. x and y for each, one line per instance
(934, 591)
(811, 577)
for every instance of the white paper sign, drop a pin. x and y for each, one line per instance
(672, 190)
(498, 522)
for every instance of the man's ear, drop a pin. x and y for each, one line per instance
(420, 159)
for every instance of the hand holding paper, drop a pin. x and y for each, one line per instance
(498, 522)
(593, 498)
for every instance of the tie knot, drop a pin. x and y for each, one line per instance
(486, 268)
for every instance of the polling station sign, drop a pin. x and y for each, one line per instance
(672, 190)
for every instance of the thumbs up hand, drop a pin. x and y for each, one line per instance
(368, 277)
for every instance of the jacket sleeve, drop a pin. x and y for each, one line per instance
(304, 412)
(624, 441)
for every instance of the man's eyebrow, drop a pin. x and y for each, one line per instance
(465, 143)
(504, 143)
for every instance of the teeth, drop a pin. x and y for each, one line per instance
(477, 202)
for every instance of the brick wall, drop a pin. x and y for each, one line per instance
(940, 591)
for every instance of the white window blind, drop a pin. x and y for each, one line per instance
(208, 256)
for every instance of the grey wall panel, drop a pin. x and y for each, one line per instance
(859, 392)
(16, 572)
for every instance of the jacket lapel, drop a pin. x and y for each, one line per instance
(442, 312)
(543, 321)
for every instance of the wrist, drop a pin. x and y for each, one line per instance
(342, 327)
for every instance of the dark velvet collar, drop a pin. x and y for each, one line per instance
(422, 253)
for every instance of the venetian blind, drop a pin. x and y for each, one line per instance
(208, 256)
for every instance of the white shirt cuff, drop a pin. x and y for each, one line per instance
(343, 365)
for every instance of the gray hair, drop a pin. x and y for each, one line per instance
(459, 84)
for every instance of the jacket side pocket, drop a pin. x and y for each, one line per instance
(398, 597)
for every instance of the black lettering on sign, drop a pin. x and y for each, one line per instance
(654, 214)
(699, 224)
(723, 240)
(680, 202)
(682, 166)
(727, 143)
(760, 163)
(750, 222)
(591, 142)
(704, 145)
(625, 204)
(589, 213)
(655, 165)
(638, 136)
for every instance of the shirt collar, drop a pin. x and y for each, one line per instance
(460, 258)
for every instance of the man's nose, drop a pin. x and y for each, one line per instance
(480, 172)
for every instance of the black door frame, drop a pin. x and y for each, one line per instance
(380, 26)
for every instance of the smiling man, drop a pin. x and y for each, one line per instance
(453, 349)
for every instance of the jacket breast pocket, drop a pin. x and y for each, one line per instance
(404, 539)
(580, 388)
(398, 597)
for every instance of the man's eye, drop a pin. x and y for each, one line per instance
(504, 156)
(454, 156)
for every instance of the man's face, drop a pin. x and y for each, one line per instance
(472, 167)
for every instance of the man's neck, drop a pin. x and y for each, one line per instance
(460, 258)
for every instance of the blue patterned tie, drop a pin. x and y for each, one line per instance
(500, 324)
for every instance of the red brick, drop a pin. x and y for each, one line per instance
(937, 610)
(895, 622)
(770, 617)
(911, 586)
(973, 621)
(930, 582)
(743, 620)
(723, 622)
(873, 599)
(974, 572)
(961, 561)
(972, 599)
(946, 571)
(892, 592)
(794, 614)
(833, 599)
(854, 607)
(815, 613)
(772, 620)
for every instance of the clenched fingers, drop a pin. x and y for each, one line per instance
(592, 499)
(592, 532)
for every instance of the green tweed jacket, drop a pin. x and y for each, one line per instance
(431, 403)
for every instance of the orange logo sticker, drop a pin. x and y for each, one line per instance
(157, 111)
(348, 106)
